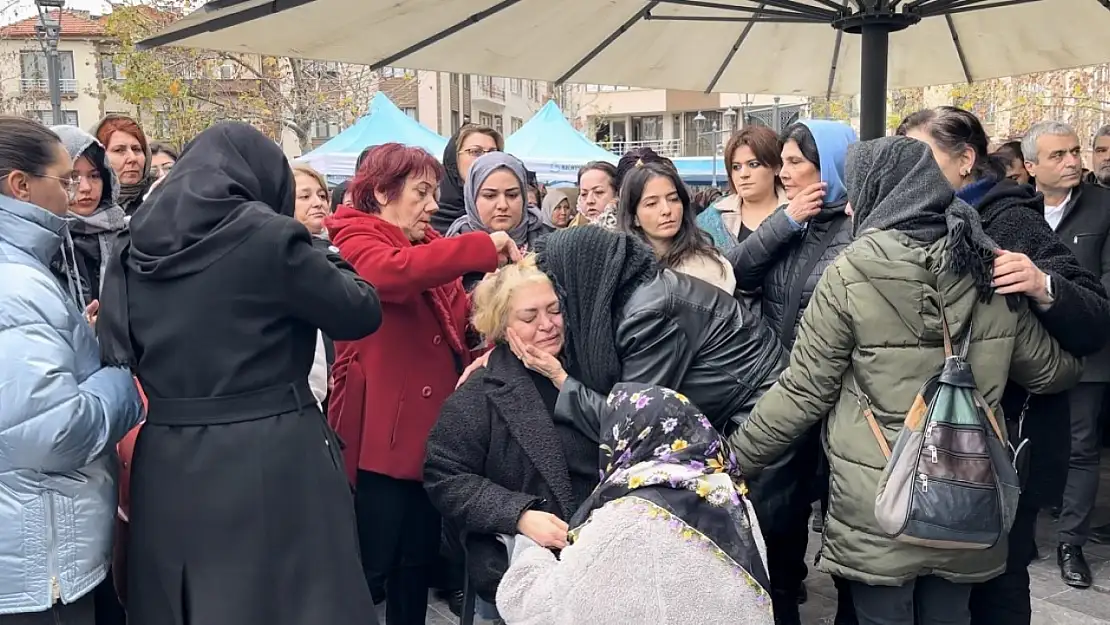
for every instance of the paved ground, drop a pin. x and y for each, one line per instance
(1054, 603)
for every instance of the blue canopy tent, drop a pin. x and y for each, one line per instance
(702, 170)
(552, 148)
(384, 123)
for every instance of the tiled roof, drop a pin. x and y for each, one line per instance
(80, 24)
(74, 24)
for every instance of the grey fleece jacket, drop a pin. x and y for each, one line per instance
(628, 567)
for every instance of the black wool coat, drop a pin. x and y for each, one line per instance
(1079, 319)
(493, 454)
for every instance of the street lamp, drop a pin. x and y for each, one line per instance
(730, 118)
(714, 133)
(48, 30)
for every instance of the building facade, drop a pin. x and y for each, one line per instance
(675, 123)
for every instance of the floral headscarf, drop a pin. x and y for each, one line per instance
(658, 447)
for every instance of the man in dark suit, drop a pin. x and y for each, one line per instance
(1100, 158)
(1079, 212)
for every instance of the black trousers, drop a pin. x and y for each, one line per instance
(1004, 600)
(399, 534)
(1085, 403)
(106, 601)
(786, 566)
(924, 601)
(80, 612)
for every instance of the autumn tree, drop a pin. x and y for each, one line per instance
(834, 107)
(1009, 106)
(187, 90)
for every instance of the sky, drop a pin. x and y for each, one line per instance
(12, 10)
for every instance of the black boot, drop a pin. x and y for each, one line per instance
(1074, 569)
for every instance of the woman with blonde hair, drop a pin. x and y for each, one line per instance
(312, 200)
(498, 460)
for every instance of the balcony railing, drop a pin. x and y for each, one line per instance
(489, 92)
(68, 86)
(664, 147)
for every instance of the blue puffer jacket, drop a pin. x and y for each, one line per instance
(61, 415)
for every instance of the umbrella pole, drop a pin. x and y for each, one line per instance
(873, 66)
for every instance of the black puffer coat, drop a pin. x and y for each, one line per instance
(1079, 319)
(687, 335)
(768, 261)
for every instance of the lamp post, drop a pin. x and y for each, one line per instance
(48, 30)
(729, 117)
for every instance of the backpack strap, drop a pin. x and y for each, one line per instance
(982, 401)
(865, 407)
(965, 344)
(944, 331)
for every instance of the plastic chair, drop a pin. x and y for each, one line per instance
(470, 595)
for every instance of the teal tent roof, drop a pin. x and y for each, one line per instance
(548, 136)
(384, 123)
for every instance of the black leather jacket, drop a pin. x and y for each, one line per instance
(684, 334)
(768, 262)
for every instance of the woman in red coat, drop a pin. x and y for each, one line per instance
(390, 386)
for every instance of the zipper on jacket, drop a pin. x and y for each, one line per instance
(51, 542)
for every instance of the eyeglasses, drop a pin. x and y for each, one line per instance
(475, 152)
(70, 183)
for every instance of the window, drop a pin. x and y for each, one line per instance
(514, 86)
(35, 73)
(410, 111)
(321, 69)
(108, 68)
(46, 118)
(227, 71)
(324, 129)
(533, 91)
(598, 88)
(395, 72)
(516, 123)
(485, 119)
(499, 123)
(454, 121)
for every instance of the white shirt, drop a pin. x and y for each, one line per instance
(1054, 214)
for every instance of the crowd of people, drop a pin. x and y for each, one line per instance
(231, 394)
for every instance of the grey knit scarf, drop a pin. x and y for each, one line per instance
(895, 184)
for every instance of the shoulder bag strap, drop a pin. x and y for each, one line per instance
(865, 407)
(794, 303)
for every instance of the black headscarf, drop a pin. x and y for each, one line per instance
(594, 271)
(229, 181)
(452, 204)
(894, 183)
(656, 446)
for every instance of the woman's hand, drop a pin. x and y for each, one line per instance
(92, 311)
(537, 360)
(545, 529)
(507, 251)
(478, 363)
(1015, 273)
(807, 203)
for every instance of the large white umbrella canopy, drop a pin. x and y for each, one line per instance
(804, 47)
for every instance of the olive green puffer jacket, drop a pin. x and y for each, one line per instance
(875, 318)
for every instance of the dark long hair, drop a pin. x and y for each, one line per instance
(690, 240)
(954, 130)
(25, 145)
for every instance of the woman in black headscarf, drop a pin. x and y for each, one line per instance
(627, 319)
(240, 511)
(466, 146)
